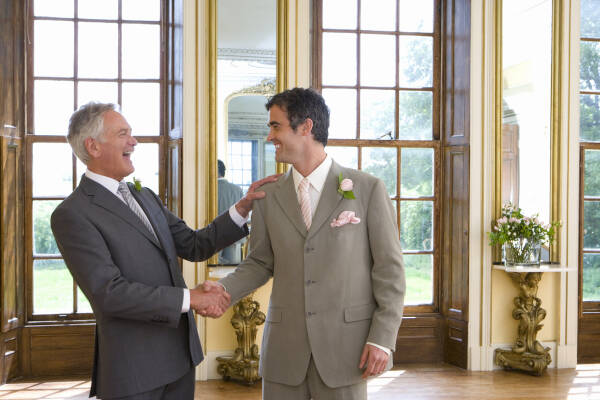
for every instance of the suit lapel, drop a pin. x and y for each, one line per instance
(288, 200)
(110, 202)
(329, 200)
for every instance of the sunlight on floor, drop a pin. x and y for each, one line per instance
(375, 384)
(586, 374)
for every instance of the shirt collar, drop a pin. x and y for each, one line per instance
(112, 185)
(317, 177)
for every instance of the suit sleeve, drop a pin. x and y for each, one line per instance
(257, 268)
(201, 244)
(387, 274)
(90, 262)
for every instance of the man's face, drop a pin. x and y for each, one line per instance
(289, 144)
(111, 152)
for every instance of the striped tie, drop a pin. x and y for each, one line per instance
(135, 207)
(304, 200)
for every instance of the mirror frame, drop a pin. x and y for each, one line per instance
(281, 81)
(555, 123)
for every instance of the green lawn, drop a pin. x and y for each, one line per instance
(53, 289)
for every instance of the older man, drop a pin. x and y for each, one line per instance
(121, 245)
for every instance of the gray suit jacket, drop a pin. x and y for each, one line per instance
(134, 283)
(334, 289)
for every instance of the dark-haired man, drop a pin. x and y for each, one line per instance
(327, 235)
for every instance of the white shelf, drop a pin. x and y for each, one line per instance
(541, 268)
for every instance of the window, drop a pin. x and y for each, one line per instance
(589, 105)
(378, 68)
(81, 51)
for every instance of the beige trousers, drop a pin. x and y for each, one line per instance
(313, 388)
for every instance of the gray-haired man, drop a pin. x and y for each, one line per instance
(121, 245)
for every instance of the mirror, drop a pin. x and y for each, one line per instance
(527, 105)
(245, 79)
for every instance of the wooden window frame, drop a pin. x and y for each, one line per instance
(399, 144)
(30, 138)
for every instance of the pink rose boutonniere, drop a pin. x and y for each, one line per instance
(345, 187)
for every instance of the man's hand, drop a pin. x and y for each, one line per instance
(209, 299)
(244, 206)
(375, 360)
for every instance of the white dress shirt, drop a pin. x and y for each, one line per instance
(112, 185)
(317, 181)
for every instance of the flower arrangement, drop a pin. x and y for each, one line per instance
(521, 236)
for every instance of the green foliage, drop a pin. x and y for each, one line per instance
(513, 225)
(137, 184)
(43, 239)
(416, 225)
(591, 277)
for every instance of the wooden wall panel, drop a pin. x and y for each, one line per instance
(455, 193)
(58, 350)
(11, 184)
(419, 339)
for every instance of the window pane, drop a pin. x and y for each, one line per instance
(345, 156)
(591, 277)
(342, 112)
(53, 106)
(415, 121)
(589, 117)
(145, 161)
(416, 15)
(94, 9)
(378, 15)
(382, 162)
(589, 65)
(416, 61)
(416, 225)
(53, 8)
(43, 239)
(339, 59)
(416, 177)
(98, 50)
(53, 49)
(141, 107)
(419, 279)
(339, 14)
(378, 60)
(590, 15)
(83, 304)
(141, 51)
(592, 173)
(52, 169)
(104, 92)
(591, 225)
(52, 287)
(377, 114)
(142, 10)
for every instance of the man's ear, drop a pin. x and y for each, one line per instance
(307, 126)
(91, 145)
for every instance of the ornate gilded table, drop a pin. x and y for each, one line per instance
(527, 354)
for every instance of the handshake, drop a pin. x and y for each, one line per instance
(209, 299)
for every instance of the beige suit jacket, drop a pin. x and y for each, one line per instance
(334, 289)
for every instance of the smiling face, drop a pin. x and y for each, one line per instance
(110, 154)
(289, 144)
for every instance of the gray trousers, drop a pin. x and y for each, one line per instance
(314, 388)
(181, 389)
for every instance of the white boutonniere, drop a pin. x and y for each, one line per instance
(345, 187)
(345, 217)
(137, 184)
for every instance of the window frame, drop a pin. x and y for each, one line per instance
(30, 138)
(435, 143)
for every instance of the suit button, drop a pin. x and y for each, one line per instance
(308, 282)
(310, 313)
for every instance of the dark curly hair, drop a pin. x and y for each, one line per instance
(299, 104)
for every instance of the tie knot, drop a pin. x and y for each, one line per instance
(304, 184)
(123, 188)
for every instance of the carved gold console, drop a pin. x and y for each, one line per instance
(243, 365)
(527, 354)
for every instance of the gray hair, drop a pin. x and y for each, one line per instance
(87, 122)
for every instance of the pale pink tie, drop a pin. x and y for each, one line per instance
(304, 200)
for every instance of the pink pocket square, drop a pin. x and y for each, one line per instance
(345, 217)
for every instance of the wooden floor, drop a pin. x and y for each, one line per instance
(424, 382)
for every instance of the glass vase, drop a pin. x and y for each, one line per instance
(521, 252)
